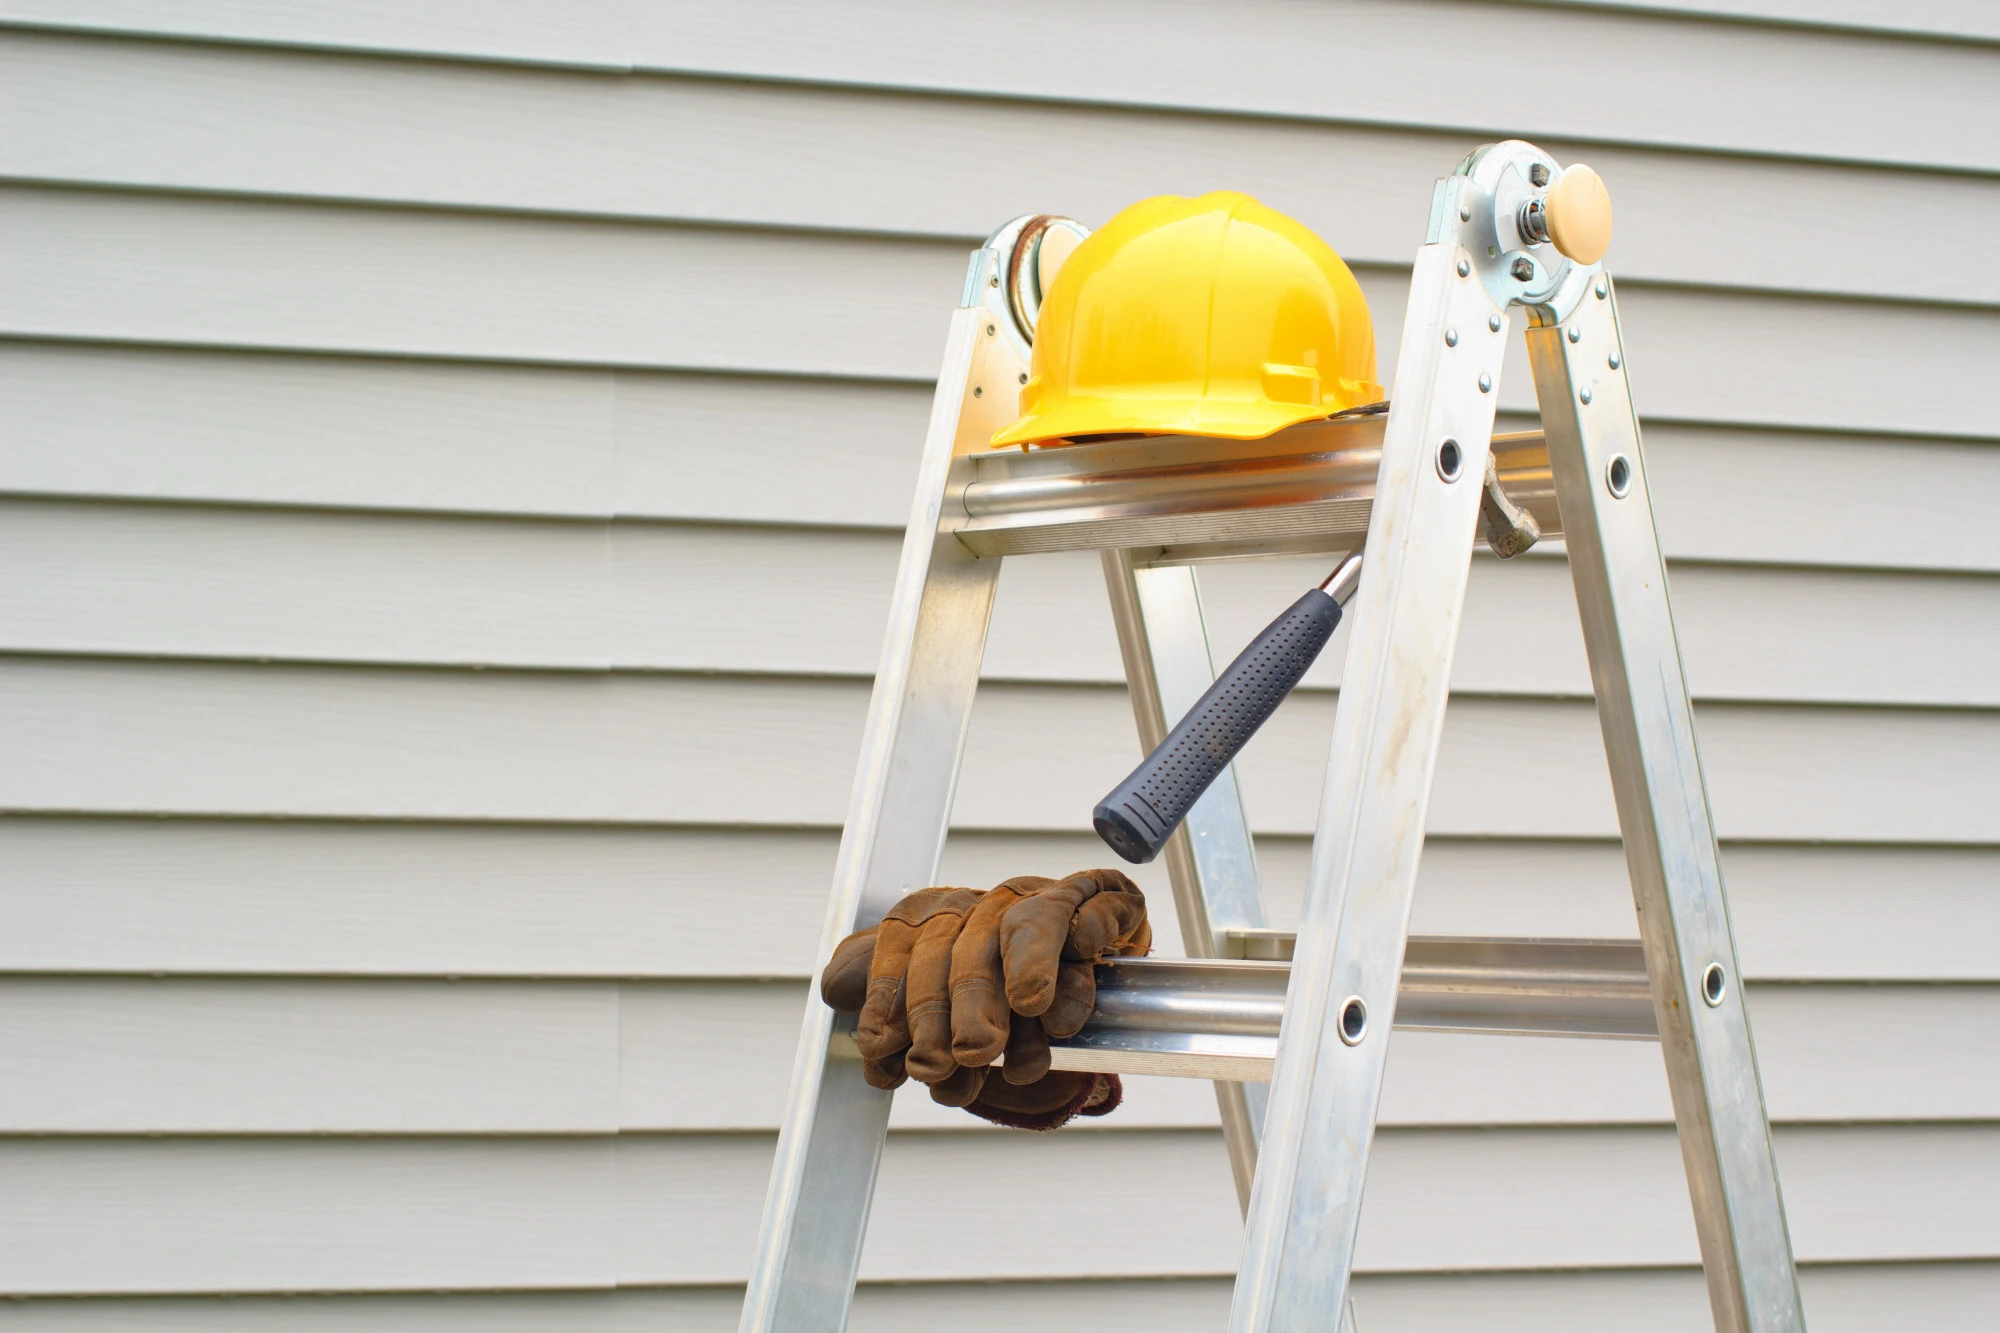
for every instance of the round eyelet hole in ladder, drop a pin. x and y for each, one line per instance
(1353, 1020)
(1450, 460)
(1618, 476)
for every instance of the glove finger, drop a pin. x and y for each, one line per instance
(844, 983)
(929, 992)
(887, 1075)
(1032, 935)
(1076, 995)
(884, 1028)
(1027, 1051)
(979, 1014)
(1101, 923)
(959, 1089)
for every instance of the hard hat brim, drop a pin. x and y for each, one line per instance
(1100, 416)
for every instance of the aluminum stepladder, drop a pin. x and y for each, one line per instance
(1413, 485)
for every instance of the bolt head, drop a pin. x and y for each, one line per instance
(1538, 174)
(1523, 269)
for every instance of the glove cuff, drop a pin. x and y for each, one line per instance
(1094, 1095)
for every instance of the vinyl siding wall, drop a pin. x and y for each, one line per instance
(452, 464)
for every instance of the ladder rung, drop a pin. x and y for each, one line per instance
(1307, 488)
(1218, 1018)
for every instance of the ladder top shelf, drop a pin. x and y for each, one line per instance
(1187, 499)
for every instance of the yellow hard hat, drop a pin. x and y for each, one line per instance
(1207, 316)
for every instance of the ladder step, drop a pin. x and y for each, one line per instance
(1218, 1018)
(1307, 488)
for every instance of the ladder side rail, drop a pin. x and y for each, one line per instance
(830, 1142)
(1663, 813)
(1306, 1205)
(1211, 859)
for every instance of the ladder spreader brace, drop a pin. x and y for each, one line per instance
(1410, 484)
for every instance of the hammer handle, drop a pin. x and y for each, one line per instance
(1143, 811)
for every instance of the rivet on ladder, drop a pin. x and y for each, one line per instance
(1584, 396)
(1024, 377)
(1612, 361)
(1353, 1020)
(989, 330)
(1486, 385)
(1451, 337)
(1603, 289)
(978, 392)
(1713, 984)
(1465, 212)
(1575, 334)
(1464, 267)
(1493, 323)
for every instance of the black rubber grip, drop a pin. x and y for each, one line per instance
(1143, 811)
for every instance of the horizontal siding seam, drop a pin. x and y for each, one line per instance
(471, 824)
(228, 42)
(589, 671)
(1482, 132)
(766, 374)
(1550, 549)
(98, 185)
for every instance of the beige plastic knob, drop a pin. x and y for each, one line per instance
(1579, 214)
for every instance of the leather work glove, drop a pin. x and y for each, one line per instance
(954, 978)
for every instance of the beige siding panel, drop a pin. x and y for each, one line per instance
(260, 1056)
(286, 1215)
(191, 1215)
(1766, 90)
(323, 431)
(111, 737)
(385, 434)
(595, 33)
(241, 1056)
(1789, 498)
(198, 582)
(1931, 18)
(216, 896)
(382, 434)
(183, 581)
(170, 116)
(188, 270)
(1848, 1298)
(156, 268)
